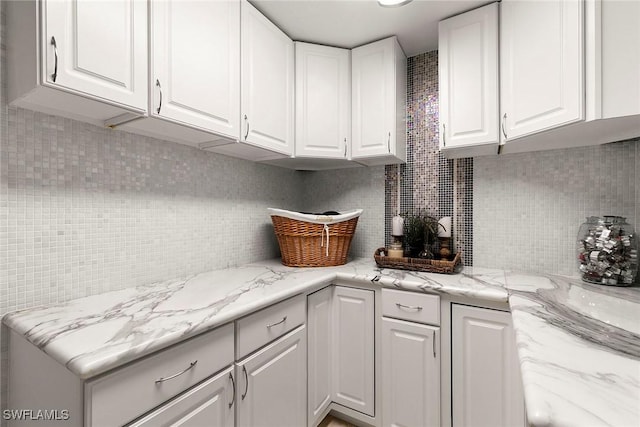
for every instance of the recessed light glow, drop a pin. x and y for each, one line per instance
(393, 3)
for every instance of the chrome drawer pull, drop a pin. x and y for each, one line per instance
(409, 307)
(233, 383)
(54, 76)
(277, 323)
(246, 382)
(161, 380)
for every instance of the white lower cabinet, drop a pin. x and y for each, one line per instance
(353, 349)
(272, 383)
(410, 374)
(210, 403)
(486, 381)
(320, 352)
(341, 351)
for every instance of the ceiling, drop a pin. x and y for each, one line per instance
(351, 23)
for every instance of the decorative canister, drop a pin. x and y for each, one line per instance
(608, 251)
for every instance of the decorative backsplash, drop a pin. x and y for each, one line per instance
(428, 181)
(528, 207)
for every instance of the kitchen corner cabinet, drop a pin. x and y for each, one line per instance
(194, 80)
(353, 349)
(79, 59)
(468, 74)
(486, 381)
(542, 65)
(320, 352)
(272, 383)
(379, 94)
(323, 107)
(341, 361)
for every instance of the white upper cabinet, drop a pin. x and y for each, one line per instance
(468, 73)
(569, 73)
(542, 65)
(92, 57)
(98, 48)
(195, 74)
(323, 107)
(379, 93)
(267, 70)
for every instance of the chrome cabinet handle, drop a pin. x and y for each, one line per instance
(246, 382)
(389, 142)
(434, 342)
(160, 87)
(345, 147)
(170, 377)
(247, 132)
(284, 319)
(444, 135)
(504, 119)
(233, 383)
(409, 307)
(54, 76)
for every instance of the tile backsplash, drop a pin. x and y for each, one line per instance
(429, 181)
(527, 207)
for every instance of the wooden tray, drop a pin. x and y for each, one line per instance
(417, 264)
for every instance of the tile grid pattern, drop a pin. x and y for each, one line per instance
(346, 189)
(528, 207)
(427, 181)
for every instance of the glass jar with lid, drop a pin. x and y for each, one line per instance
(607, 251)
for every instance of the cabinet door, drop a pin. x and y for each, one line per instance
(320, 352)
(98, 48)
(353, 349)
(196, 63)
(542, 65)
(486, 382)
(373, 98)
(323, 108)
(267, 83)
(468, 72)
(209, 403)
(410, 374)
(272, 383)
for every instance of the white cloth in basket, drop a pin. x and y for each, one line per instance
(316, 219)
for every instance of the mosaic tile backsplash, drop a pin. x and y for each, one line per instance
(428, 181)
(528, 207)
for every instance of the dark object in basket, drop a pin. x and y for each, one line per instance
(418, 264)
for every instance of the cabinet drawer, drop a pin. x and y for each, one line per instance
(260, 328)
(127, 393)
(411, 306)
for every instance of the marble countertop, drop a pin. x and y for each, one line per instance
(579, 344)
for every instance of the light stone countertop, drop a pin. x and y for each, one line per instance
(578, 344)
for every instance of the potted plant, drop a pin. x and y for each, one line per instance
(421, 234)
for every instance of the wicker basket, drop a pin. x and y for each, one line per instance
(308, 244)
